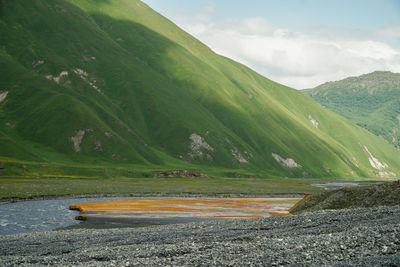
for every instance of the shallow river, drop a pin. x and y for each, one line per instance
(40, 215)
(46, 215)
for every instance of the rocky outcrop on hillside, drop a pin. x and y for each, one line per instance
(181, 174)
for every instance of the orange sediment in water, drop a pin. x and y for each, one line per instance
(238, 216)
(301, 201)
(133, 208)
(279, 214)
(194, 207)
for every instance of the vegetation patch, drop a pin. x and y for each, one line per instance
(371, 101)
(34, 187)
(387, 194)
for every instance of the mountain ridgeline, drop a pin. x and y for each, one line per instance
(113, 83)
(372, 101)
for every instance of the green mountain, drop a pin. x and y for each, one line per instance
(372, 101)
(113, 83)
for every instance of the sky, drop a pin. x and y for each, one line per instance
(299, 43)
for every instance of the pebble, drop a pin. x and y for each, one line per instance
(356, 237)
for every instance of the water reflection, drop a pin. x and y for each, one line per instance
(47, 215)
(40, 215)
(188, 207)
(337, 185)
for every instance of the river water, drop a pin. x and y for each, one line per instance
(40, 215)
(47, 215)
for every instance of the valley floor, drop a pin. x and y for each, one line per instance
(26, 188)
(358, 237)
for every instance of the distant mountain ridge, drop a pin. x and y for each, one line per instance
(372, 101)
(113, 83)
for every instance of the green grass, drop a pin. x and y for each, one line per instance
(159, 85)
(18, 187)
(387, 194)
(371, 101)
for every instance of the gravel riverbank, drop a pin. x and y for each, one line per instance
(358, 237)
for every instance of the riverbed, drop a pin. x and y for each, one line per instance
(47, 215)
(40, 215)
(359, 237)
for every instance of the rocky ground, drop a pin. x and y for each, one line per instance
(358, 237)
(387, 194)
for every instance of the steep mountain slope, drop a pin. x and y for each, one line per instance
(114, 82)
(371, 101)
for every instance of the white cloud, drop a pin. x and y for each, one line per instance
(390, 32)
(299, 60)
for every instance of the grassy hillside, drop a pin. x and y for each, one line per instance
(371, 101)
(113, 83)
(387, 194)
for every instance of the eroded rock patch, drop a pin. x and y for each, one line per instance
(77, 140)
(85, 77)
(239, 157)
(3, 96)
(378, 165)
(199, 147)
(313, 121)
(181, 174)
(58, 78)
(375, 163)
(287, 163)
